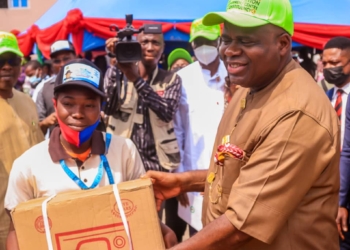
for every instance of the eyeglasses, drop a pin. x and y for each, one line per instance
(59, 61)
(13, 61)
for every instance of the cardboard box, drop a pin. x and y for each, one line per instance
(90, 220)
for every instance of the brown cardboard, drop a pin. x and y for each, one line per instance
(90, 220)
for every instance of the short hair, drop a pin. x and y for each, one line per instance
(34, 64)
(339, 42)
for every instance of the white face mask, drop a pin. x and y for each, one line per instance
(206, 54)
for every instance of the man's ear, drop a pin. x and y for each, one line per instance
(284, 44)
(54, 103)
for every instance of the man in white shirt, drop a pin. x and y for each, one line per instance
(203, 96)
(205, 41)
(336, 63)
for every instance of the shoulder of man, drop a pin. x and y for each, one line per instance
(298, 92)
(50, 80)
(22, 97)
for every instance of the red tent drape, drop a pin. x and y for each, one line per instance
(317, 35)
(313, 35)
(74, 23)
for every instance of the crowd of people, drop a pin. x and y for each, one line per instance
(258, 132)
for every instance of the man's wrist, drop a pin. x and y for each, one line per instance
(192, 181)
(138, 83)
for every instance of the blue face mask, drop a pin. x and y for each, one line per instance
(34, 80)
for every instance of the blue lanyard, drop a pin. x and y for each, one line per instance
(103, 165)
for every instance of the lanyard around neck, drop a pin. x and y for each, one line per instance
(103, 165)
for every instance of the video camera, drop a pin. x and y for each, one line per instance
(127, 49)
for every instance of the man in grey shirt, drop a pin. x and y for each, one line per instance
(62, 51)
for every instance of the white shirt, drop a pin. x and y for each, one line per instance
(196, 121)
(35, 175)
(217, 81)
(344, 97)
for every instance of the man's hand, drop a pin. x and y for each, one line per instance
(47, 122)
(169, 236)
(183, 199)
(165, 186)
(50, 120)
(11, 242)
(342, 221)
(110, 44)
(130, 70)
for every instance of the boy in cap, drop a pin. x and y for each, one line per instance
(273, 180)
(76, 152)
(19, 129)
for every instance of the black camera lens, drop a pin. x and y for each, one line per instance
(128, 51)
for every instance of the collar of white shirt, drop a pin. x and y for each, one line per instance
(221, 71)
(346, 90)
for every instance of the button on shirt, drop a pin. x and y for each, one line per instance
(217, 81)
(346, 91)
(38, 173)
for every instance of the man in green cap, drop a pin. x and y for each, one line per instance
(19, 126)
(273, 182)
(205, 41)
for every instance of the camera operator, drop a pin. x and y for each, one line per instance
(152, 97)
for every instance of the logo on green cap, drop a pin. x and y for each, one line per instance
(197, 26)
(198, 29)
(7, 40)
(8, 43)
(245, 5)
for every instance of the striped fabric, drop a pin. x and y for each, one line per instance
(339, 103)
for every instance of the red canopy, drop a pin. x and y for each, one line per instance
(313, 35)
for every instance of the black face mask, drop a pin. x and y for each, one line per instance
(335, 75)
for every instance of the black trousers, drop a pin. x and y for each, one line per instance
(172, 220)
(345, 244)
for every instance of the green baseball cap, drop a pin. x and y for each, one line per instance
(254, 13)
(200, 30)
(179, 54)
(8, 43)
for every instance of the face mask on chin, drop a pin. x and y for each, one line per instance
(335, 75)
(206, 54)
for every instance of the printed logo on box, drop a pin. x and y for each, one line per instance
(99, 237)
(39, 224)
(129, 208)
(119, 242)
